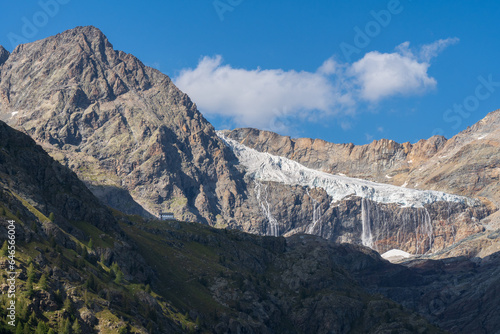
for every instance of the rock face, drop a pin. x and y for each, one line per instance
(295, 199)
(288, 210)
(379, 226)
(121, 126)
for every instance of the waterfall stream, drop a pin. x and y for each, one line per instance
(316, 216)
(366, 234)
(261, 194)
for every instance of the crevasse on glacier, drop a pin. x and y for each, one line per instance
(268, 167)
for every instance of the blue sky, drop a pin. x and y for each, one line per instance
(337, 70)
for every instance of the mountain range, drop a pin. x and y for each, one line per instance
(125, 143)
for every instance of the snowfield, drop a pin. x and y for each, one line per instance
(266, 167)
(395, 255)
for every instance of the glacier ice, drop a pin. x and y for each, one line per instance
(267, 167)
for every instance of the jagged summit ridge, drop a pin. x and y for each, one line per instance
(268, 167)
(382, 161)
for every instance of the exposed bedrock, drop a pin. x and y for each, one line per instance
(287, 210)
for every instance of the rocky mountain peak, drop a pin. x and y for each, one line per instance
(92, 37)
(81, 62)
(119, 124)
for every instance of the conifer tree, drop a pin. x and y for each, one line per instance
(4, 251)
(76, 327)
(43, 282)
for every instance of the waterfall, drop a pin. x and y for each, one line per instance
(426, 228)
(266, 209)
(366, 234)
(316, 215)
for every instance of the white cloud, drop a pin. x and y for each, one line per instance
(329, 67)
(404, 72)
(381, 75)
(429, 51)
(266, 98)
(258, 97)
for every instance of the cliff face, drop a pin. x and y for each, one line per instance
(464, 165)
(380, 226)
(124, 128)
(295, 199)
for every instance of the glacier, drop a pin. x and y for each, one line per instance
(271, 168)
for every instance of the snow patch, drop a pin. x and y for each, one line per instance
(395, 255)
(388, 177)
(267, 167)
(14, 113)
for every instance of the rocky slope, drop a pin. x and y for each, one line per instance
(467, 164)
(457, 293)
(64, 234)
(89, 271)
(125, 129)
(312, 283)
(253, 284)
(29, 173)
